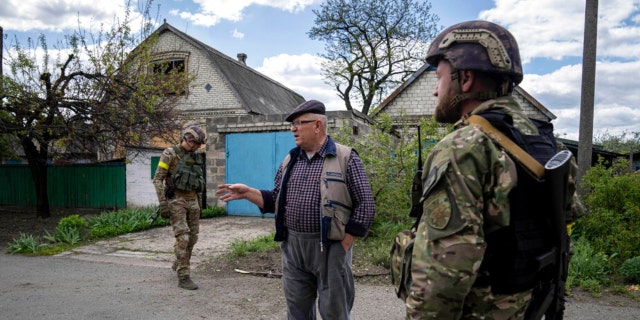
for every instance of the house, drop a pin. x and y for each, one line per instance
(414, 99)
(243, 113)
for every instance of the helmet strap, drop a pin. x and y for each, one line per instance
(459, 96)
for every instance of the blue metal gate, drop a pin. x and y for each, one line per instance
(253, 159)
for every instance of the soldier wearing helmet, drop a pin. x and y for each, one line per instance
(467, 178)
(178, 181)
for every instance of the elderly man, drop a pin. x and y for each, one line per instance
(323, 201)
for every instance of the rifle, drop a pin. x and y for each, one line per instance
(549, 298)
(155, 217)
(416, 186)
(170, 188)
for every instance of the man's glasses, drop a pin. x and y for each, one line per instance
(298, 123)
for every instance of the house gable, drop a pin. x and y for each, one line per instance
(224, 85)
(414, 98)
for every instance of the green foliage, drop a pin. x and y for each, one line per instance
(99, 92)
(25, 243)
(72, 222)
(622, 143)
(67, 235)
(613, 225)
(241, 248)
(630, 270)
(588, 268)
(212, 212)
(68, 231)
(110, 224)
(390, 157)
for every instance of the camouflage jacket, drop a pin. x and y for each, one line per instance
(466, 184)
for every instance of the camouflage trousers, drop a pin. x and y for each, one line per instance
(480, 303)
(185, 222)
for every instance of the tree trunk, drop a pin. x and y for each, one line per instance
(37, 158)
(42, 194)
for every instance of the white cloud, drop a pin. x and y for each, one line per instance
(545, 29)
(237, 34)
(302, 74)
(616, 96)
(232, 10)
(57, 16)
(205, 20)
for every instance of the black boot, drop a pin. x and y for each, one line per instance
(185, 282)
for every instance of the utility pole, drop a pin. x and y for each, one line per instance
(585, 139)
(1, 62)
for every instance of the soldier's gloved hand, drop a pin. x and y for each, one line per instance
(164, 209)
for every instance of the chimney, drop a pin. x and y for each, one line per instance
(242, 57)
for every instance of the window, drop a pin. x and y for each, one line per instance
(172, 68)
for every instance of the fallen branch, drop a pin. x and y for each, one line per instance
(270, 274)
(260, 273)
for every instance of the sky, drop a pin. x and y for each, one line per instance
(274, 35)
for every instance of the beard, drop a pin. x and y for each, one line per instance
(445, 112)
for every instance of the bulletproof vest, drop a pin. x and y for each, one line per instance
(511, 252)
(188, 175)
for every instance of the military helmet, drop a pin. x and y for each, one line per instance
(195, 134)
(478, 45)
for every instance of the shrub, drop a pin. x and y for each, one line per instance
(73, 221)
(630, 270)
(109, 224)
(25, 243)
(390, 157)
(68, 231)
(212, 212)
(613, 225)
(587, 268)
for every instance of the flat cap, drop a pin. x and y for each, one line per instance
(311, 106)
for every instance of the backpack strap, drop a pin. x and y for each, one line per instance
(531, 164)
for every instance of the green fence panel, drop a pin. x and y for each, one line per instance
(76, 186)
(16, 186)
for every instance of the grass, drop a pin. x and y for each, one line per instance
(73, 231)
(242, 248)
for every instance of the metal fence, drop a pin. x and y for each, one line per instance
(101, 185)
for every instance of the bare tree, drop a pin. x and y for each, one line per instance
(372, 45)
(98, 94)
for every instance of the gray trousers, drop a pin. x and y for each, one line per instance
(308, 273)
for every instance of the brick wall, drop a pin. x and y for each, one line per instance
(220, 97)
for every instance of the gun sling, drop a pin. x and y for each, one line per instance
(533, 166)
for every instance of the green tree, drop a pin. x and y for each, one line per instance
(96, 92)
(613, 200)
(623, 143)
(390, 154)
(372, 46)
(626, 142)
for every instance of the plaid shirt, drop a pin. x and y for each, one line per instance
(302, 211)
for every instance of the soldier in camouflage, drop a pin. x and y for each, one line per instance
(178, 181)
(467, 177)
